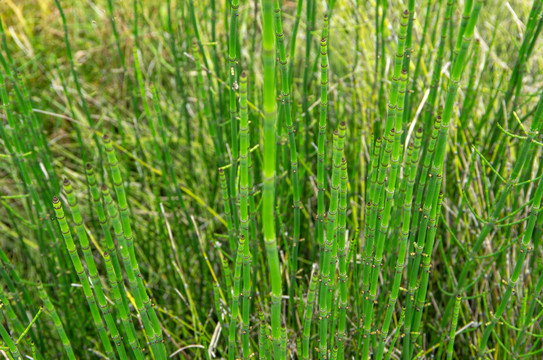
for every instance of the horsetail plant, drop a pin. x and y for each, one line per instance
(412, 161)
(234, 309)
(452, 333)
(129, 270)
(13, 349)
(392, 146)
(330, 242)
(521, 258)
(233, 87)
(244, 211)
(92, 269)
(321, 150)
(128, 326)
(342, 261)
(50, 308)
(127, 232)
(78, 266)
(411, 231)
(315, 278)
(286, 108)
(268, 191)
(501, 199)
(102, 218)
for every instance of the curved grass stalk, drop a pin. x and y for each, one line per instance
(78, 266)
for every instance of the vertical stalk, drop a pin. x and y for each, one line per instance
(244, 211)
(286, 106)
(268, 191)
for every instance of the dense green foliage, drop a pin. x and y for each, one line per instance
(272, 179)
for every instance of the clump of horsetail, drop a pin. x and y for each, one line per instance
(287, 111)
(330, 241)
(83, 278)
(155, 332)
(321, 150)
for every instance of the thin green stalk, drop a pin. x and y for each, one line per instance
(343, 264)
(308, 317)
(452, 333)
(13, 349)
(56, 320)
(521, 258)
(321, 147)
(244, 211)
(227, 211)
(268, 191)
(499, 203)
(233, 79)
(234, 309)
